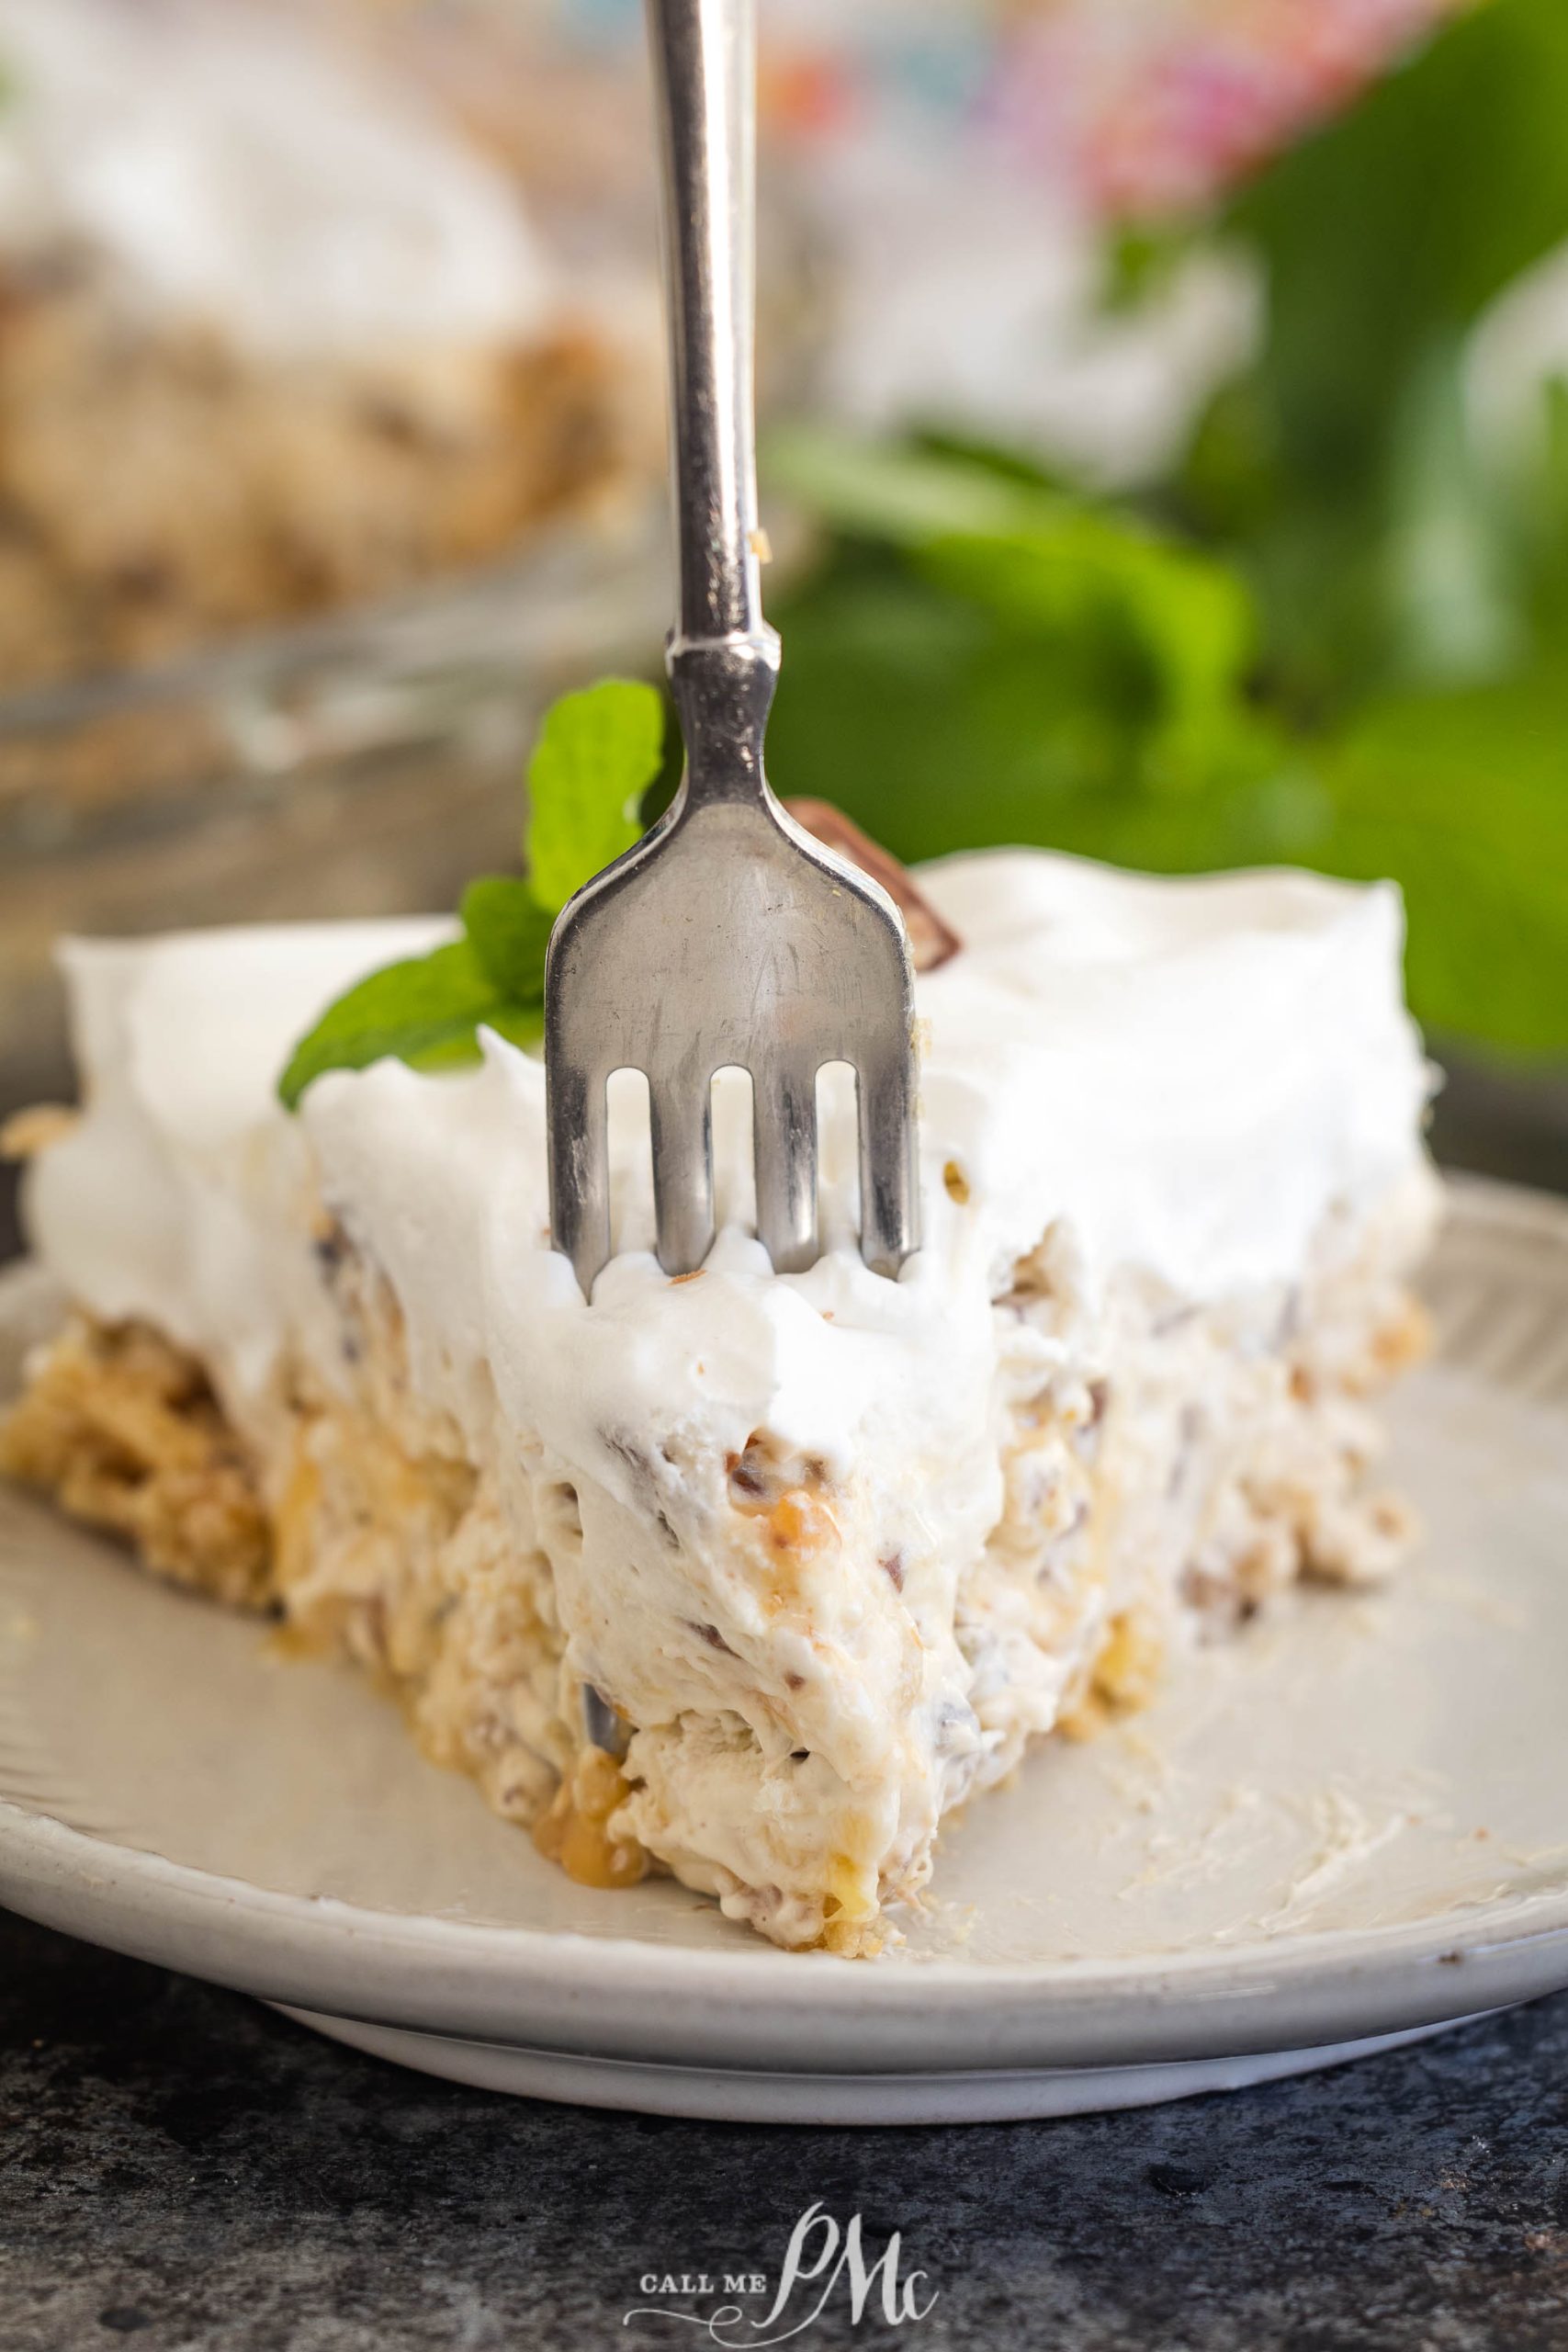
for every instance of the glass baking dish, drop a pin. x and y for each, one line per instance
(364, 763)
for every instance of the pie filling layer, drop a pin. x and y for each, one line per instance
(753, 1578)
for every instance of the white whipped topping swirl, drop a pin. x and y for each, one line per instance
(1188, 1075)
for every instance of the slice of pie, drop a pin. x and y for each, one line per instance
(750, 1577)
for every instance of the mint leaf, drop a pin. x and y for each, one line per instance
(597, 754)
(426, 1008)
(520, 1025)
(508, 932)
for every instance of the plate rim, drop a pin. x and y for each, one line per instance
(747, 2003)
(616, 1996)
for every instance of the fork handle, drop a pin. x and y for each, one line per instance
(704, 77)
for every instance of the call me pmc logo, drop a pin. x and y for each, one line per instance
(822, 2265)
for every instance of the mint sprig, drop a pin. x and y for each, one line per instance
(597, 753)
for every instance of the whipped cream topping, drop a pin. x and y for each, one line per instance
(236, 171)
(1187, 1076)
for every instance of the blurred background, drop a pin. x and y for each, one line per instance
(1166, 456)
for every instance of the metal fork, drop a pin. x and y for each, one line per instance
(727, 937)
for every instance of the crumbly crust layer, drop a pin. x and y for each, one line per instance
(122, 1429)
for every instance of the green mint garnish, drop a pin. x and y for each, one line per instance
(508, 932)
(597, 754)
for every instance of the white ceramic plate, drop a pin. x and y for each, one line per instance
(1349, 1823)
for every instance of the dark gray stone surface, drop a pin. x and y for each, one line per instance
(179, 2167)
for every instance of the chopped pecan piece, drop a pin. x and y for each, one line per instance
(931, 941)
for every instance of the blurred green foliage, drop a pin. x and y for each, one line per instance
(1384, 239)
(984, 657)
(1337, 635)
